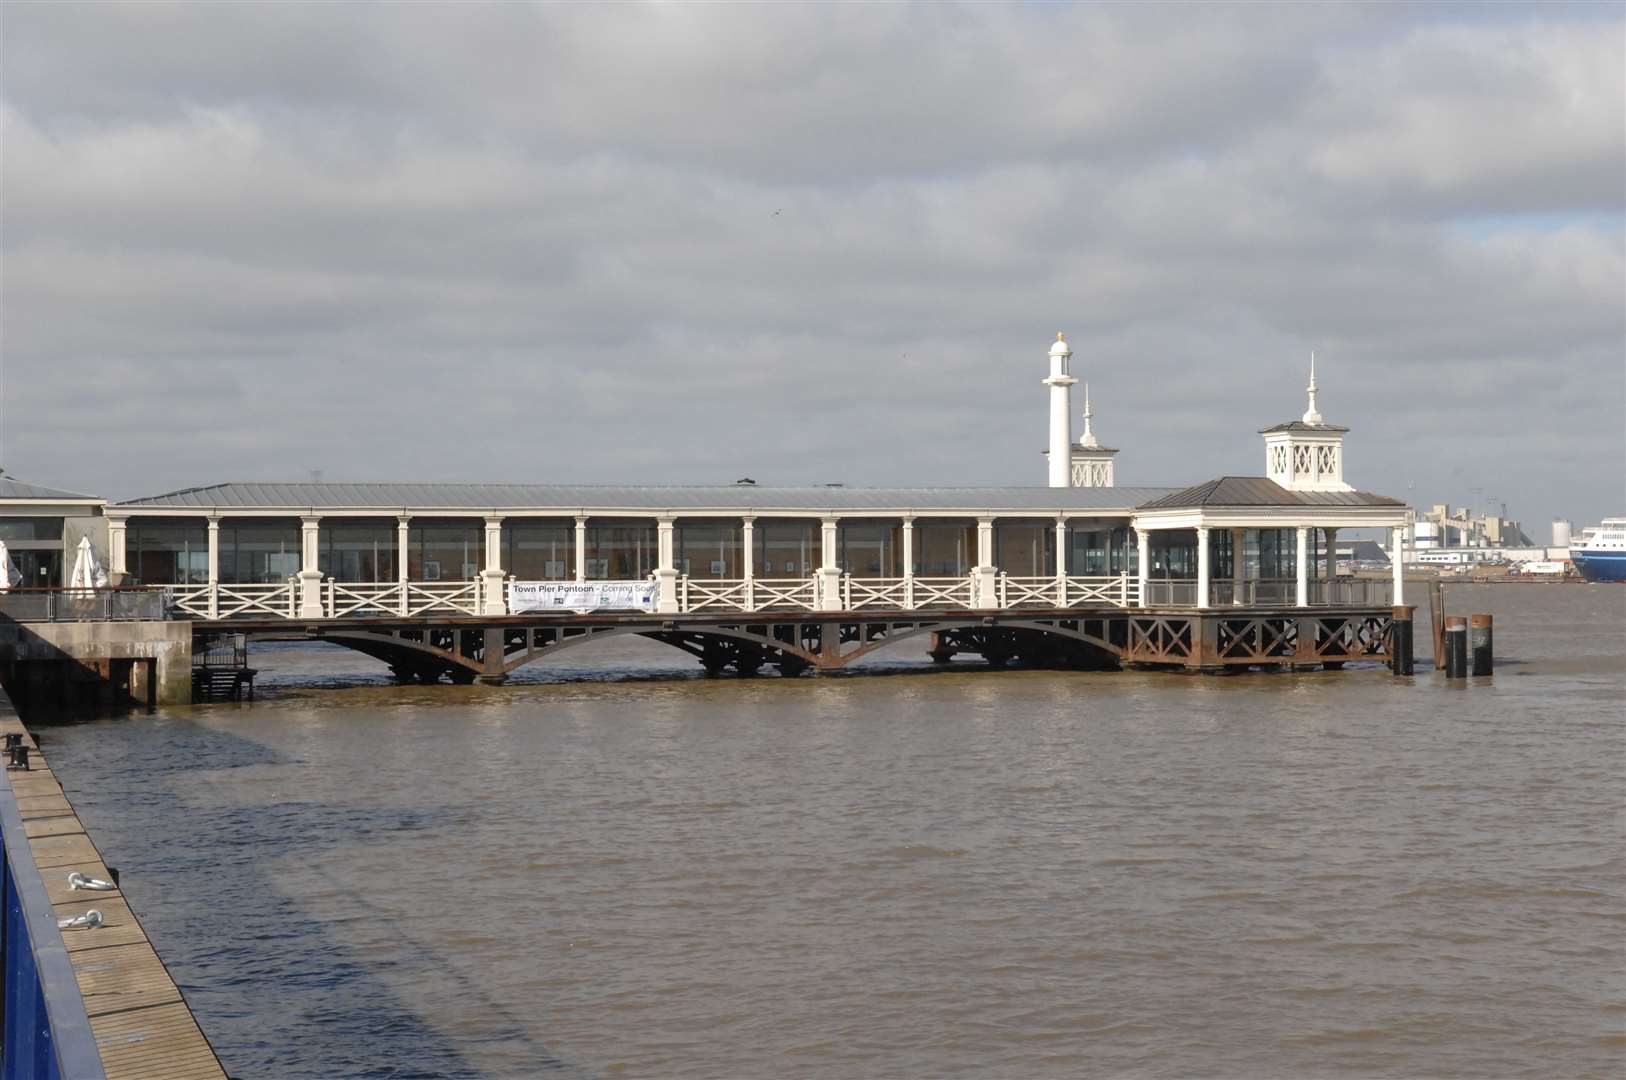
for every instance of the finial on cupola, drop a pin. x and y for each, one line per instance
(1088, 439)
(1311, 416)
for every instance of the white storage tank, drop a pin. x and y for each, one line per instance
(1425, 534)
(1561, 533)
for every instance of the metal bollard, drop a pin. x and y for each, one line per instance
(1456, 647)
(1402, 661)
(1479, 644)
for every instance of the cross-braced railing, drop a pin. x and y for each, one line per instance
(1028, 591)
(1120, 591)
(951, 592)
(857, 593)
(701, 594)
(423, 597)
(800, 593)
(359, 599)
(217, 601)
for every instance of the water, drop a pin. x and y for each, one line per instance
(962, 873)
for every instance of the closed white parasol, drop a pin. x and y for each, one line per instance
(87, 572)
(11, 576)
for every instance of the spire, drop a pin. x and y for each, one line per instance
(1088, 440)
(1311, 416)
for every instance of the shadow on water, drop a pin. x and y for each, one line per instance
(272, 986)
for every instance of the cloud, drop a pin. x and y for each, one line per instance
(681, 243)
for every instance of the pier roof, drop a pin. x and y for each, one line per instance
(391, 498)
(1261, 491)
(11, 488)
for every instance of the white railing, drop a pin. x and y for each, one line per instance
(424, 597)
(698, 595)
(1120, 591)
(217, 601)
(272, 598)
(955, 592)
(857, 593)
(1028, 591)
(799, 593)
(359, 599)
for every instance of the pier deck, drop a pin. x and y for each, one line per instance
(143, 1027)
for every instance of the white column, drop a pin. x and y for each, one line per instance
(666, 574)
(1143, 561)
(403, 543)
(214, 551)
(1302, 594)
(1398, 558)
(214, 568)
(494, 602)
(829, 575)
(310, 574)
(985, 578)
(581, 549)
(1239, 566)
(117, 560)
(1061, 562)
(909, 563)
(748, 558)
(1061, 414)
(1203, 567)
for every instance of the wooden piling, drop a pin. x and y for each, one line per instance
(1456, 647)
(1479, 644)
(1402, 660)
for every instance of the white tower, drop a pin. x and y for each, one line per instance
(1092, 462)
(1061, 392)
(1307, 454)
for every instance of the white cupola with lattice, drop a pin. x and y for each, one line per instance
(1306, 454)
(1091, 462)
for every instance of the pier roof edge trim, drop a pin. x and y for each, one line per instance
(1260, 491)
(387, 498)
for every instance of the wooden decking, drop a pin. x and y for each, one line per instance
(143, 1027)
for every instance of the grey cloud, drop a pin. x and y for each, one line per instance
(458, 242)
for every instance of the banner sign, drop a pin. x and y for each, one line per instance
(528, 596)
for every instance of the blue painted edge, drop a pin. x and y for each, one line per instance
(78, 1057)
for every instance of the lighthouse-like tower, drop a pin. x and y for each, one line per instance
(1061, 413)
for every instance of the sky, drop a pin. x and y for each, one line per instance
(812, 243)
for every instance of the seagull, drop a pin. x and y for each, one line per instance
(777, 212)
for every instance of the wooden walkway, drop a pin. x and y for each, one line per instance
(143, 1027)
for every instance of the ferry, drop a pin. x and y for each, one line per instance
(1601, 554)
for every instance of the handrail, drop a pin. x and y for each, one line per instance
(47, 1032)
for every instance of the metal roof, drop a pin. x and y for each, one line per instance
(11, 488)
(392, 498)
(1300, 425)
(1261, 491)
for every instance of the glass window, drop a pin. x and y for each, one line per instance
(168, 552)
(358, 549)
(258, 550)
(621, 550)
(944, 548)
(1025, 548)
(539, 550)
(1174, 554)
(708, 549)
(30, 528)
(445, 550)
(786, 548)
(872, 549)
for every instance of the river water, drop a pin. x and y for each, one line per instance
(619, 868)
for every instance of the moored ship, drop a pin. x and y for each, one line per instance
(1601, 554)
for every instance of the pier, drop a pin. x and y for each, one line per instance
(81, 1002)
(473, 581)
